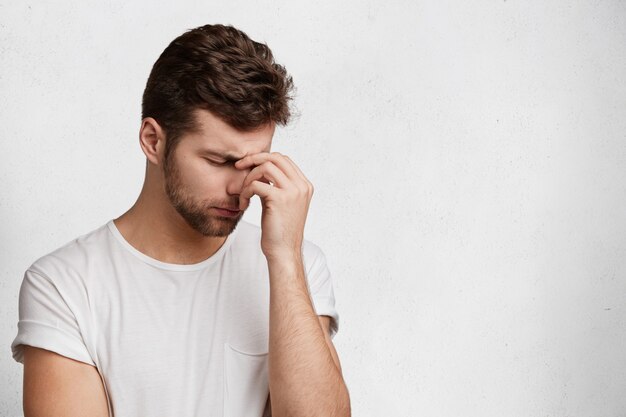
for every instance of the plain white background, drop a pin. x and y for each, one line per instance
(468, 161)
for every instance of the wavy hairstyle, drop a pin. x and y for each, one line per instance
(220, 69)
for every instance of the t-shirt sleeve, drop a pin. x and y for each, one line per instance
(320, 283)
(46, 320)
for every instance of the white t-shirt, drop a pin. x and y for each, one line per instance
(167, 339)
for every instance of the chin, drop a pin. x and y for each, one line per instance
(219, 226)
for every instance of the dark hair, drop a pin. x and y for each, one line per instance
(220, 69)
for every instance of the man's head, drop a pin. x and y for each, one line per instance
(212, 88)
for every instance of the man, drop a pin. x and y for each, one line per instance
(178, 307)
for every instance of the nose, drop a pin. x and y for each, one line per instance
(236, 179)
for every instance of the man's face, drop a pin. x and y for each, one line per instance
(198, 180)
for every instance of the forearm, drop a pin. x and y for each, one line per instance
(303, 378)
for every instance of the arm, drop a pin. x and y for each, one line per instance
(325, 322)
(57, 386)
(304, 378)
(304, 373)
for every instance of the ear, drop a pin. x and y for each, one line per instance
(152, 140)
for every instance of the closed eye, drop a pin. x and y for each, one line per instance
(217, 163)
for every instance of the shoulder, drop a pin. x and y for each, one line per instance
(73, 256)
(311, 250)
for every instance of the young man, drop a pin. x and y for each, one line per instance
(178, 307)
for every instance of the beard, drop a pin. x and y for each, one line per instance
(196, 213)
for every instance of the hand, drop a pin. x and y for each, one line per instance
(285, 204)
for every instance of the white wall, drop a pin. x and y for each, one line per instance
(468, 159)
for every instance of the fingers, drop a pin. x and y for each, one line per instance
(259, 188)
(274, 167)
(261, 174)
(298, 171)
(270, 172)
(285, 163)
(276, 158)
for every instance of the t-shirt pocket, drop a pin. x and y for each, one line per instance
(246, 384)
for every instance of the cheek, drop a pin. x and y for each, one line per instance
(206, 177)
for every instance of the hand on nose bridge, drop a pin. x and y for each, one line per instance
(240, 177)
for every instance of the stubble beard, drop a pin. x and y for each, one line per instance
(195, 213)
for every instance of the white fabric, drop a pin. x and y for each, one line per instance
(167, 339)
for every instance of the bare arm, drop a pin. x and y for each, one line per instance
(57, 386)
(304, 373)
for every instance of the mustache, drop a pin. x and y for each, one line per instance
(229, 206)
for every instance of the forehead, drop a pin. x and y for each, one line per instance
(214, 134)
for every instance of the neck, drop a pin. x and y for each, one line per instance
(154, 227)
